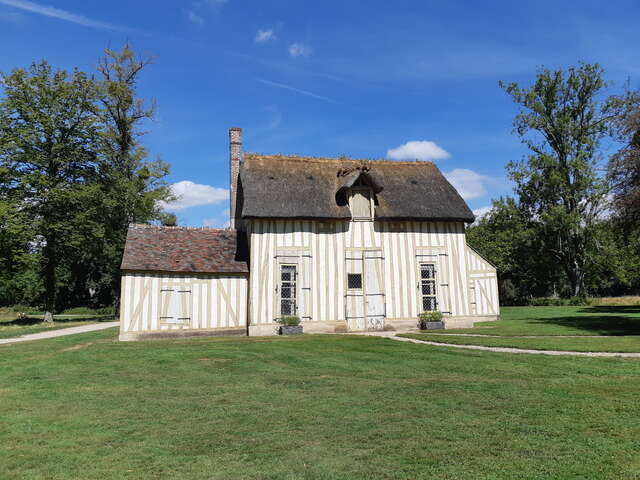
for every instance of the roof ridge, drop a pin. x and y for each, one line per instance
(177, 227)
(312, 159)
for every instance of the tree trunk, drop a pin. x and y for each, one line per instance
(49, 280)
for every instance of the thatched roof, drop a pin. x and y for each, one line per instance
(184, 250)
(278, 186)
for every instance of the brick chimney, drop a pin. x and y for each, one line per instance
(235, 157)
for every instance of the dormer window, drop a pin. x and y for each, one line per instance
(360, 201)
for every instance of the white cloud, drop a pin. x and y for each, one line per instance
(194, 17)
(189, 194)
(60, 14)
(481, 212)
(418, 150)
(264, 36)
(299, 50)
(468, 183)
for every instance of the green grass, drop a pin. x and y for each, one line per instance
(615, 344)
(311, 407)
(596, 320)
(12, 326)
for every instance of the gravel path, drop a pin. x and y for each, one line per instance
(392, 336)
(517, 336)
(60, 332)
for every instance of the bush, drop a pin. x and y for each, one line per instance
(428, 317)
(557, 302)
(289, 321)
(90, 311)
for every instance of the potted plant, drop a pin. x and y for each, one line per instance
(430, 320)
(289, 325)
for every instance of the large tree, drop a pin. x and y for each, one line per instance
(48, 156)
(133, 185)
(562, 120)
(624, 166)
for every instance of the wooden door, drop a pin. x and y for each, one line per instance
(365, 302)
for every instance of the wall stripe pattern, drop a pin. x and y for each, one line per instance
(324, 246)
(483, 284)
(206, 301)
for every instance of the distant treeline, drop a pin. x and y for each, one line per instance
(73, 175)
(573, 227)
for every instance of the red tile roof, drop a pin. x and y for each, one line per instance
(184, 250)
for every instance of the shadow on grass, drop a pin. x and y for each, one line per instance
(30, 321)
(602, 320)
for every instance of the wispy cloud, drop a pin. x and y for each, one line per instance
(195, 13)
(418, 150)
(296, 90)
(263, 36)
(195, 18)
(299, 50)
(65, 15)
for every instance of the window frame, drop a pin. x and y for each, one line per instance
(422, 281)
(293, 286)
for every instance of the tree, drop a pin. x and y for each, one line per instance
(624, 166)
(506, 238)
(562, 121)
(132, 185)
(48, 144)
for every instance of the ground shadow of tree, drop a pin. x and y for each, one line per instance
(602, 320)
(31, 320)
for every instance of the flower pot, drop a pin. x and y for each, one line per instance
(290, 330)
(432, 326)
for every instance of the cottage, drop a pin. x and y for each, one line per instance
(346, 245)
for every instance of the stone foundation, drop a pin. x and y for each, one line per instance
(160, 334)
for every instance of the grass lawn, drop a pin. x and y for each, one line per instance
(311, 407)
(12, 326)
(598, 320)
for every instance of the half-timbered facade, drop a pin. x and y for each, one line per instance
(345, 245)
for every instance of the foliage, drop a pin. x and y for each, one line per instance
(562, 121)
(288, 320)
(73, 175)
(556, 302)
(507, 238)
(48, 144)
(132, 185)
(624, 166)
(429, 317)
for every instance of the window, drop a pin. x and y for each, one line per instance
(288, 282)
(354, 281)
(428, 287)
(175, 305)
(360, 203)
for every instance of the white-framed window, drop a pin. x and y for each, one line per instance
(360, 203)
(428, 287)
(288, 289)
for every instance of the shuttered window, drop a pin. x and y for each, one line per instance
(175, 305)
(428, 287)
(360, 204)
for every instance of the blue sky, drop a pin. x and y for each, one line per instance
(372, 79)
